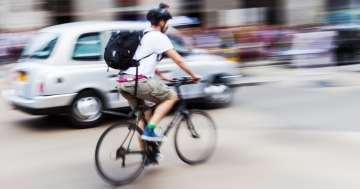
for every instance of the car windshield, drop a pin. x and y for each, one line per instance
(40, 46)
(181, 44)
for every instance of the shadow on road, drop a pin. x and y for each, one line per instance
(58, 123)
(45, 123)
(52, 123)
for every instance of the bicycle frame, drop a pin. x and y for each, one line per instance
(181, 109)
(147, 151)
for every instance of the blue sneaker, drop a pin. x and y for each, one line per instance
(150, 135)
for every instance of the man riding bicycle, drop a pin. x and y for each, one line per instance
(155, 42)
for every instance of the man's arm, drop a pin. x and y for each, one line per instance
(163, 76)
(178, 59)
(158, 72)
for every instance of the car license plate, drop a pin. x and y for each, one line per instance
(19, 88)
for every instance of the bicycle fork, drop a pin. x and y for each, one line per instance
(190, 125)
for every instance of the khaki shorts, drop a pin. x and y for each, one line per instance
(148, 89)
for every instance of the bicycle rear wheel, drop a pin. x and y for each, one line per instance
(119, 157)
(195, 137)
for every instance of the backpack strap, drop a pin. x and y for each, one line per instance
(136, 80)
(140, 45)
(145, 56)
(137, 66)
(144, 33)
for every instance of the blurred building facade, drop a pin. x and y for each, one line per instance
(34, 14)
(339, 11)
(22, 14)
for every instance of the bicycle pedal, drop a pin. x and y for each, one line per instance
(153, 160)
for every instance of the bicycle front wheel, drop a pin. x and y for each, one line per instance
(195, 137)
(119, 154)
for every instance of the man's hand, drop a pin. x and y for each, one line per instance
(166, 77)
(196, 78)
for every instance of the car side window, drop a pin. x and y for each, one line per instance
(88, 47)
(179, 43)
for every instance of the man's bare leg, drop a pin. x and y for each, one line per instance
(148, 115)
(163, 108)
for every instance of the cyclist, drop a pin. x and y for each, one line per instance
(149, 90)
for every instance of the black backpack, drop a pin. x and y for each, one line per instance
(120, 49)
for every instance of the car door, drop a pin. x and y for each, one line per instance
(88, 70)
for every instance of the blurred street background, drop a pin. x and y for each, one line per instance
(260, 29)
(294, 122)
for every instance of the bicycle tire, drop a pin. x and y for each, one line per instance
(100, 165)
(187, 125)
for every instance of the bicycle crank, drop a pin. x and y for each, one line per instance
(120, 153)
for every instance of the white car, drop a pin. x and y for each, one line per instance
(62, 71)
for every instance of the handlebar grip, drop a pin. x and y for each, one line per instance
(184, 80)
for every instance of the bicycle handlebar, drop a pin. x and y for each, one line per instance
(177, 82)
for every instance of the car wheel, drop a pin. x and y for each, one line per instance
(86, 110)
(218, 93)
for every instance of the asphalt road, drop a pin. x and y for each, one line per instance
(272, 137)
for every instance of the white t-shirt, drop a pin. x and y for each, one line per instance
(152, 42)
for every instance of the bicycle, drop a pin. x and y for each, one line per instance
(186, 121)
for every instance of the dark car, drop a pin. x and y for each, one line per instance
(347, 43)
